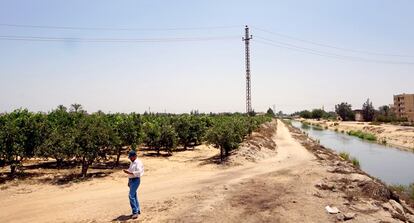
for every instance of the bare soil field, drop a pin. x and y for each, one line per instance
(287, 178)
(394, 135)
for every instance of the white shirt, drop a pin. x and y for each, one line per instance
(137, 168)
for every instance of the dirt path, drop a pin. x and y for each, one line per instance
(185, 188)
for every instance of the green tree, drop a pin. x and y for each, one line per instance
(76, 108)
(225, 136)
(318, 113)
(183, 128)
(152, 134)
(21, 133)
(60, 135)
(385, 110)
(92, 140)
(168, 137)
(270, 112)
(126, 132)
(344, 110)
(368, 111)
(190, 129)
(10, 141)
(305, 114)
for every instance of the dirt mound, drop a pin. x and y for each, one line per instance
(258, 146)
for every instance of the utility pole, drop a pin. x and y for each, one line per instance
(246, 40)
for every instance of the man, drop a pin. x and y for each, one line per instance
(135, 172)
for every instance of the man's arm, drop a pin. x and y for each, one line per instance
(127, 172)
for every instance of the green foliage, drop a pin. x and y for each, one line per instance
(344, 155)
(76, 136)
(270, 112)
(305, 114)
(168, 137)
(386, 114)
(315, 114)
(92, 140)
(368, 111)
(126, 131)
(152, 134)
(190, 129)
(355, 162)
(59, 141)
(21, 132)
(344, 110)
(405, 190)
(363, 135)
(228, 132)
(347, 157)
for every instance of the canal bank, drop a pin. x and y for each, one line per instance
(401, 137)
(390, 164)
(364, 193)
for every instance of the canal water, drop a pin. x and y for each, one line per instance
(391, 165)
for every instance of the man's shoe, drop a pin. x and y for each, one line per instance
(134, 216)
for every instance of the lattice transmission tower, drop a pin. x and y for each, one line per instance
(246, 40)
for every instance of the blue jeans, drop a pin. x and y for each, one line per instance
(133, 199)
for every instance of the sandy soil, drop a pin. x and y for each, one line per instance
(288, 185)
(394, 135)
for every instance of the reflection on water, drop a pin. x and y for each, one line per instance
(390, 164)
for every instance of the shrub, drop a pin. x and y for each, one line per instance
(344, 110)
(344, 155)
(347, 157)
(355, 162)
(403, 189)
(363, 135)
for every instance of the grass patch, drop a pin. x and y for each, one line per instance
(287, 121)
(344, 155)
(317, 127)
(363, 135)
(349, 158)
(403, 189)
(355, 162)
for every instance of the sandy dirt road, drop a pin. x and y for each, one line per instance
(187, 188)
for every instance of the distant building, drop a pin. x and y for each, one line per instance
(359, 117)
(404, 106)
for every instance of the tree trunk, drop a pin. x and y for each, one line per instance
(221, 154)
(118, 155)
(12, 170)
(59, 163)
(85, 166)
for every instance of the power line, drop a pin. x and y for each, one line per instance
(331, 46)
(116, 28)
(323, 53)
(113, 40)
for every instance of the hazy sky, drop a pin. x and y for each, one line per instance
(205, 75)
